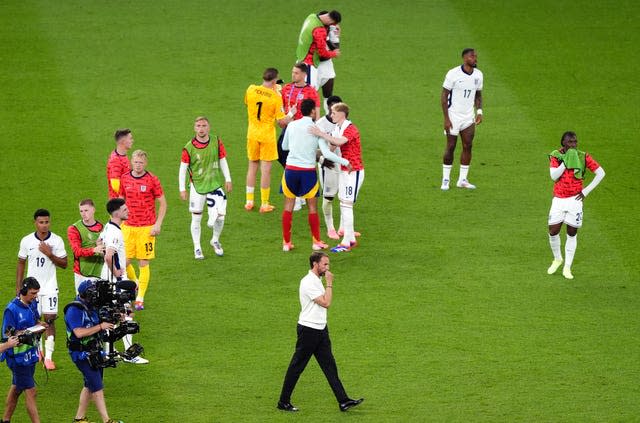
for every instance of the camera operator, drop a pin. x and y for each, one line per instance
(83, 339)
(20, 314)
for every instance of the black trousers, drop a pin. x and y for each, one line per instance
(317, 343)
(282, 154)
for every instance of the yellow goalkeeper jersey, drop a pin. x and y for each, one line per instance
(264, 107)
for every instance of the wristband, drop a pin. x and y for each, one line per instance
(329, 286)
(478, 111)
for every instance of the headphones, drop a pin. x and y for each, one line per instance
(28, 283)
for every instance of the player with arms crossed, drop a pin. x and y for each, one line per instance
(347, 136)
(141, 189)
(264, 107)
(44, 251)
(88, 249)
(461, 92)
(118, 163)
(208, 170)
(568, 167)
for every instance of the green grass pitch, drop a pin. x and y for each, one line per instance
(445, 311)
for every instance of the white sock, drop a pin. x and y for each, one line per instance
(195, 230)
(127, 340)
(327, 210)
(554, 242)
(446, 172)
(250, 190)
(217, 228)
(464, 171)
(346, 211)
(49, 346)
(570, 250)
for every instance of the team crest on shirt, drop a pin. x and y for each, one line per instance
(300, 96)
(143, 188)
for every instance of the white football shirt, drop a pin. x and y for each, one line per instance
(463, 87)
(113, 239)
(40, 266)
(311, 314)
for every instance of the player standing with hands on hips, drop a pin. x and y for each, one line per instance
(568, 167)
(313, 335)
(461, 92)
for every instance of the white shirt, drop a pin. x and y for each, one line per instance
(113, 239)
(327, 127)
(463, 87)
(302, 145)
(311, 314)
(40, 266)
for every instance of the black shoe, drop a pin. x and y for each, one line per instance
(286, 406)
(350, 403)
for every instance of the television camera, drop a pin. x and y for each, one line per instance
(112, 302)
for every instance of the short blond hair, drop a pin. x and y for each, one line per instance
(341, 107)
(201, 118)
(140, 153)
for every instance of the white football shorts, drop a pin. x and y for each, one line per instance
(566, 210)
(329, 180)
(325, 72)
(349, 185)
(48, 303)
(216, 199)
(460, 122)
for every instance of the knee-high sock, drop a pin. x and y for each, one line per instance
(217, 228)
(446, 172)
(314, 225)
(143, 282)
(287, 220)
(249, 194)
(265, 193)
(327, 211)
(49, 346)
(127, 340)
(554, 242)
(570, 250)
(346, 213)
(464, 172)
(196, 219)
(131, 272)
